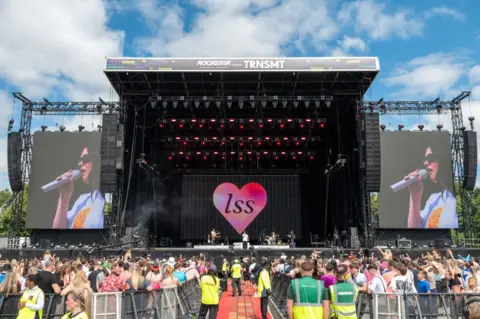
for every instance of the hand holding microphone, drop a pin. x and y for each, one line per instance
(64, 182)
(414, 182)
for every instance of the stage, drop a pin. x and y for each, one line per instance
(214, 252)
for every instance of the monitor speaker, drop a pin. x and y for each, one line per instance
(14, 154)
(439, 243)
(469, 159)
(372, 152)
(111, 152)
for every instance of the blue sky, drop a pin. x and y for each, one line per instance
(56, 49)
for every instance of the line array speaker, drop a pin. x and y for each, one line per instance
(14, 153)
(469, 159)
(372, 152)
(111, 152)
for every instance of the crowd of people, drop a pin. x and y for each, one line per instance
(319, 287)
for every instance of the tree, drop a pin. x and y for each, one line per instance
(374, 204)
(6, 214)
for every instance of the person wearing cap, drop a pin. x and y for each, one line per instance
(264, 287)
(236, 271)
(306, 297)
(342, 296)
(210, 286)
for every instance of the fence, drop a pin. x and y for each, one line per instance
(385, 305)
(166, 303)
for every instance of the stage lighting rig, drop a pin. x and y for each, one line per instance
(62, 128)
(81, 128)
(44, 128)
(10, 124)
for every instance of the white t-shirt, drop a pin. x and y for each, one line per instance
(440, 211)
(359, 279)
(378, 285)
(245, 237)
(87, 212)
(401, 285)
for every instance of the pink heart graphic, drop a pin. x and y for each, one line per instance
(240, 206)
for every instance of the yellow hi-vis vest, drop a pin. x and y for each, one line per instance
(343, 297)
(225, 267)
(308, 298)
(236, 271)
(81, 315)
(30, 296)
(264, 282)
(210, 286)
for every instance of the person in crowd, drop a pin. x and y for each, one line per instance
(179, 274)
(138, 282)
(191, 271)
(32, 301)
(210, 286)
(236, 271)
(80, 282)
(78, 304)
(112, 282)
(155, 277)
(357, 278)
(225, 268)
(10, 285)
(378, 284)
(329, 277)
(264, 288)
(342, 296)
(125, 272)
(168, 279)
(47, 281)
(472, 286)
(92, 276)
(306, 297)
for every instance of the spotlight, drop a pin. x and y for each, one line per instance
(389, 245)
(439, 127)
(415, 245)
(383, 127)
(81, 128)
(94, 244)
(80, 245)
(52, 245)
(471, 119)
(44, 128)
(66, 245)
(37, 245)
(62, 128)
(400, 127)
(99, 127)
(430, 245)
(421, 127)
(10, 124)
(24, 244)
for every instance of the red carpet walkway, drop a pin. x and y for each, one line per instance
(244, 307)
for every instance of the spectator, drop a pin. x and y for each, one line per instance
(138, 282)
(5, 269)
(112, 282)
(78, 304)
(32, 300)
(80, 282)
(126, 274)
(92, 277)
(179, 274)
(329, 277)
(10, 285)
(155, 277)
(191, 272)
(169, 279)
(47, 281)
(210, 286)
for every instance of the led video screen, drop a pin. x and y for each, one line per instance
(64, 182)
(231, 204)
(417, 181)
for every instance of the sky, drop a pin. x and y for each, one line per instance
(56, 49)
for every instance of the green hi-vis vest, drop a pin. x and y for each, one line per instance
(343, 296)
(308, 298)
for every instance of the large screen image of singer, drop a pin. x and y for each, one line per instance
(64, 186)
(417, 181)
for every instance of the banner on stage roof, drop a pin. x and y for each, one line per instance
(245, 64)
(417, 181)
(64, 184)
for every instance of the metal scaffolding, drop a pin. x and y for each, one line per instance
(45, 107)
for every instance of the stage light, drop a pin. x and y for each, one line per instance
(37, 245)
(400, 127)
(173, 120)
(65, 245)
(328, 103)
(81, 128)
(430, 245)
(278, 143)
(52, 245)
(420, 127)
(170, 158)
(24, 244)
(99, 127)
(80, 245)
(10, 124)
(302, 126)
(383, 127)
(241, 127)
(439, 127)
(282, 125)
(322, 125)
(312, 157)
(180, 125)
(44, 128)
(415, 245)
(276, 157)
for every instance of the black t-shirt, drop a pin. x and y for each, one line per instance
(92, 277)
(45, 280)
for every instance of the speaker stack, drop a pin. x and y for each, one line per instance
(111, 152)
(372, 152)
(14, 154)
(469, 159)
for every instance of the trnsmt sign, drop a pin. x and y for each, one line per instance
(264, 64)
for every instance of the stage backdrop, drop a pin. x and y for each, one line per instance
(81, 205)
(429, 203)
(233, 203)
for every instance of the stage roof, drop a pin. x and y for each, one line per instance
(144, 77)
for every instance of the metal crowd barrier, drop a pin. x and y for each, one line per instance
(386, 305)
(166, 303)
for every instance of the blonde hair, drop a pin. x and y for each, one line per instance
(84, 296)
(474, 310)
(137, 277)
(9, 284)
(472, 283)
(387, 255)
(80, 280)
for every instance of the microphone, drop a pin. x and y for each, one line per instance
(423, 173)
(57, 183)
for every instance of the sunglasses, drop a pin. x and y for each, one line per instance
(86, 158)
(431, 158)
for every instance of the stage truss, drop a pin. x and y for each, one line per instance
(45, 107)
(424, 108)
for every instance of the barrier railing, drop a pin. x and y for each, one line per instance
(386, 305)
(166, 303)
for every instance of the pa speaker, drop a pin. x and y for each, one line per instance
(469, 159)
(14, 154)
(111, 152)
(372, 152)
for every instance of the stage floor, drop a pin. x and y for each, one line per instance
(211, 252)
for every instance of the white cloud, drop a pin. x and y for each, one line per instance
(238, 28)
(52, 46)
(474, 75)
(429, 76)
(445, 11)
(351, 43)
(368, 16)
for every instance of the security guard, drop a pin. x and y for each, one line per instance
(342, 297)
(210, 286)
(236, 271)
(31, 303)
(78, 304)
(307, 297)
(225, 268)
(264, 288)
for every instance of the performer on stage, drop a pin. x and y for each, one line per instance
(336, 238)
(272, 240)
(291, 239)
(213, 236)
(245, 240)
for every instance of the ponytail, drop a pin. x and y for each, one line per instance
(85, 298)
